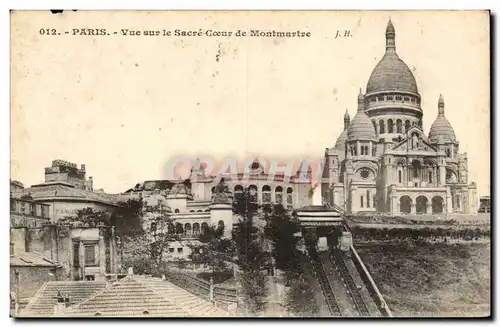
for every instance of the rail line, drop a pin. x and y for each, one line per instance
(326, 287)
(338, 261)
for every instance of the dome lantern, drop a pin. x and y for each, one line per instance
(390, 37)
(441, 105)
(347, 119)
(361, 101)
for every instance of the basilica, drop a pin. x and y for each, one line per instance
(383, 161)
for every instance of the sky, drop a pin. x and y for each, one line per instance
(126, 105)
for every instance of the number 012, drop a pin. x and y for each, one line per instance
(48, 31)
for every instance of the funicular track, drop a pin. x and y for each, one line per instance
(338, 261)
(326, 287)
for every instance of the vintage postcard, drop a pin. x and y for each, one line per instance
(250, 164)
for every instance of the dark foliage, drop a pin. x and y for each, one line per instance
(127, 218)
(280, 230)
(146, 251)
(215, 250)
(250, 256)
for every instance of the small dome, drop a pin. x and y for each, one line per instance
(341, 140)
(441, 129)
(361, 127)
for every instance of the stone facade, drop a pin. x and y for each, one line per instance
(383, 161)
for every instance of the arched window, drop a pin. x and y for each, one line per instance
(400, 176)
(457, 202)
(176, 210)
(374, 125)
(416, 167)
(187, 229)
(361, 201)
(196, 228)
(253, 191)
(179, 229)
(153, 227)
(381, 126)
(374, 201)
(213, 190)
(191, 210)
(266, 194)
(204, 227)
(407, 126)
(430, 177)
(279, 194)
(238, 191)
(390, 126)
(367, 198)
(289, 197)
(399, 126)
(405, 203)
(437, 204)
(421, 206)
(374, 150)
(199, 211)
(171, 228)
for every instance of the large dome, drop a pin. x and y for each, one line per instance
(391, 73)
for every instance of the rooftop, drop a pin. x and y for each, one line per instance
(31, 259)
(63, 191)
(144, 296)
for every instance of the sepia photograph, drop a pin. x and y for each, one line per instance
(229, 164)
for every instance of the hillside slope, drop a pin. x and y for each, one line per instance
(446, 280)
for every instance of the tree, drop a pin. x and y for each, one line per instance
(214, 250)
(281, 230)
(249, 252)
(127, 218)
(300, 299)
(146, 251)
(88, 217)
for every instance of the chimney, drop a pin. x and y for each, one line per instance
(83, 168)
(91, 183)
(62, 303)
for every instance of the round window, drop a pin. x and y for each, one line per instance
(365, 173)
